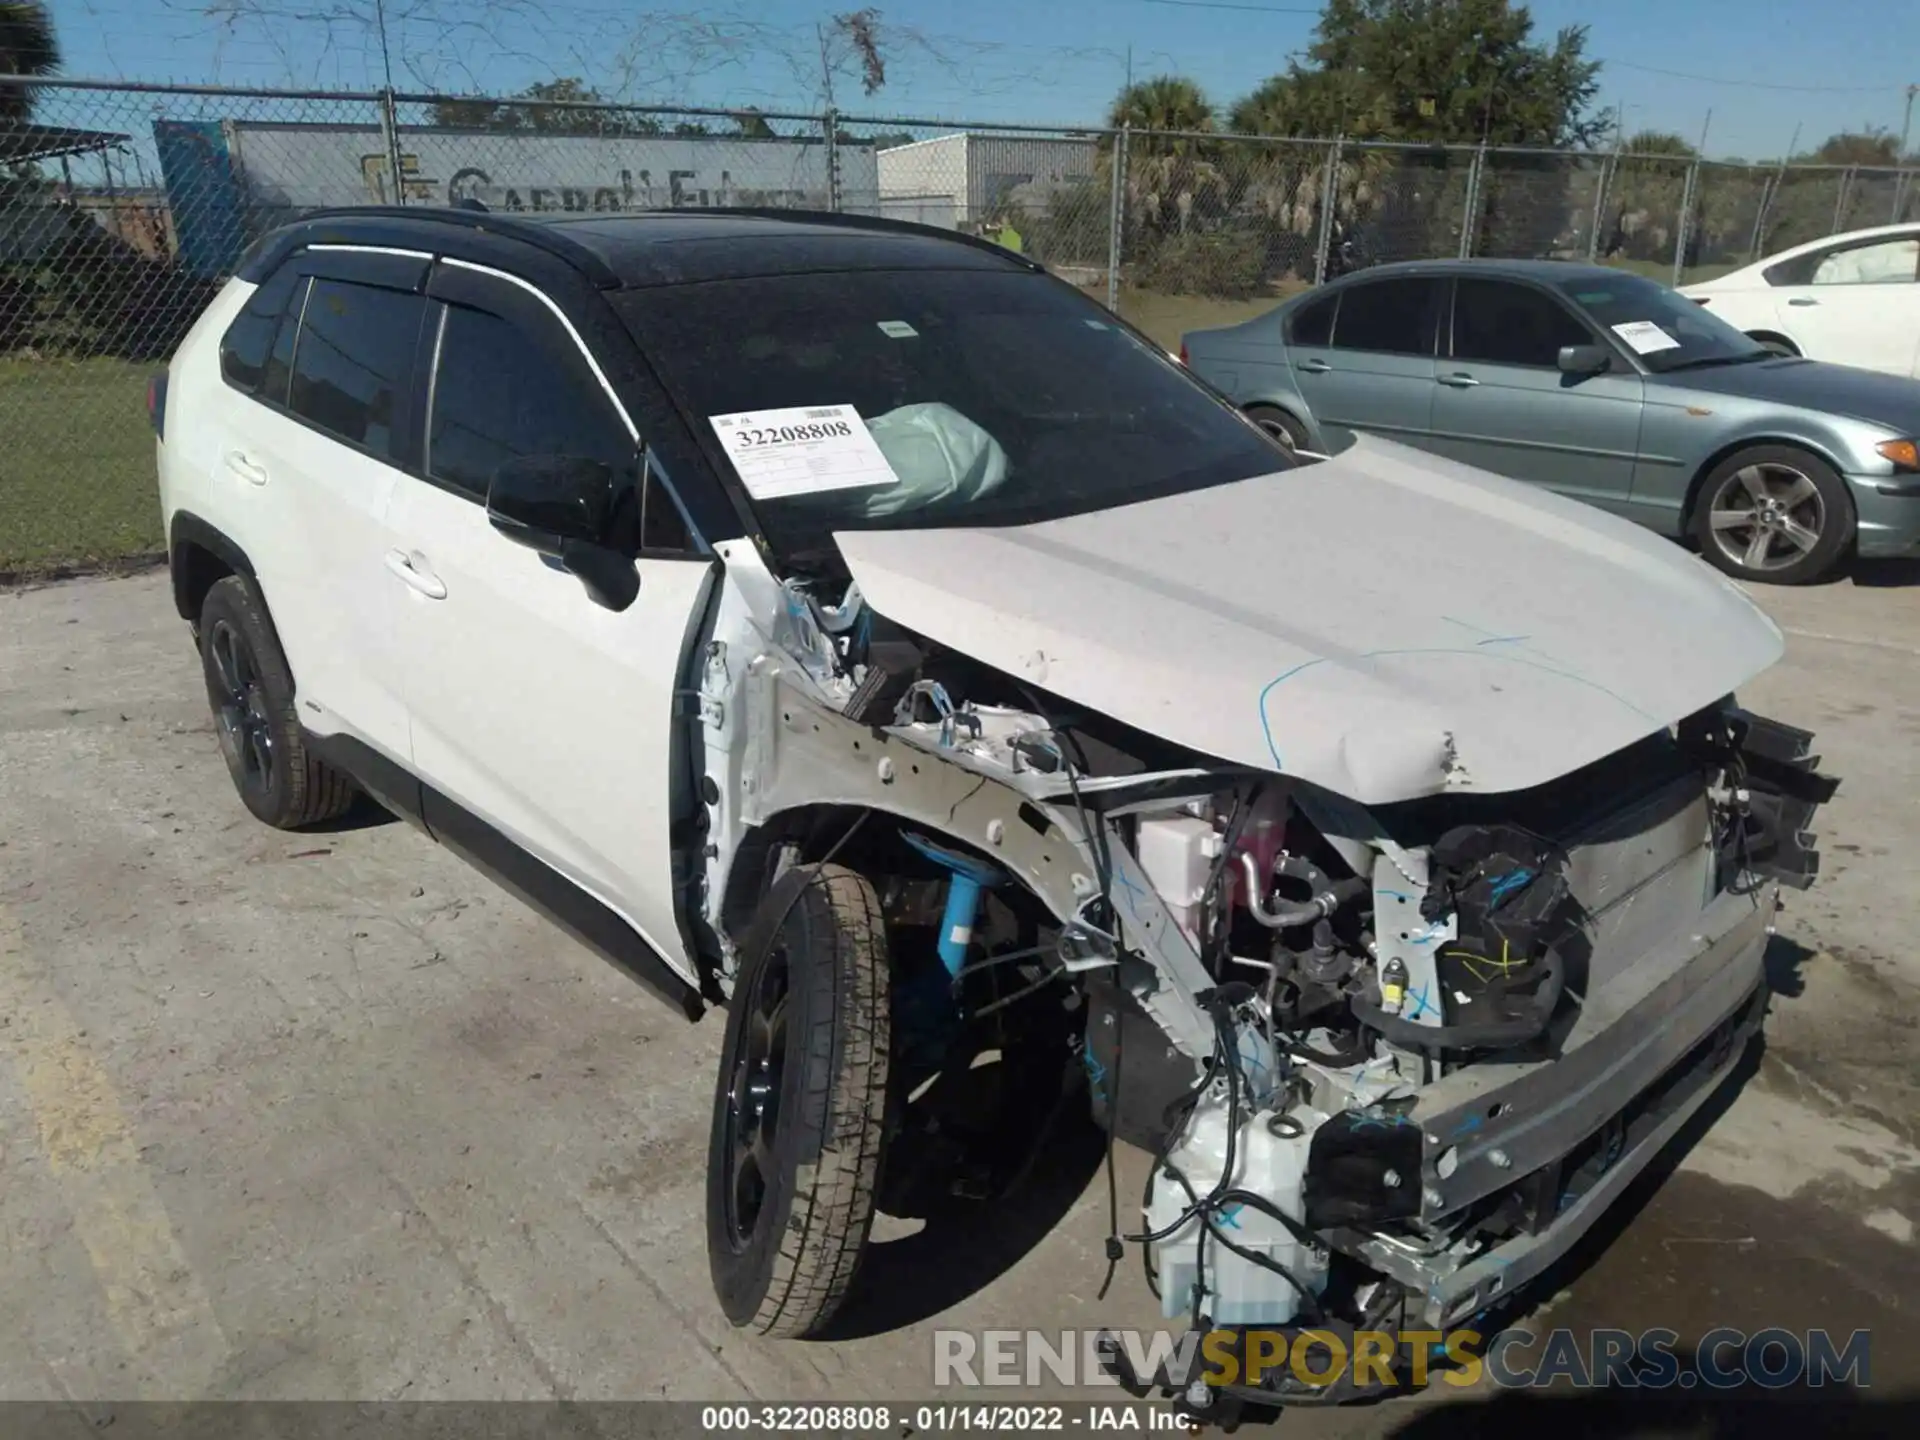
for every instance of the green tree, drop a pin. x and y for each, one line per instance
(1438, 72)
(551, 107)
(1433, 70)
(750, 124)
(1871, 146)
(28, 46)
(1172, 168)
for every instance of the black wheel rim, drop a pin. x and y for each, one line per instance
(758, 1066)
(1767, 516)
(240, 706)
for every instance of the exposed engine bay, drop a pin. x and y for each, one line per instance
(1391, 1059)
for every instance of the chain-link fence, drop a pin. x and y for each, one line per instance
(124, 207)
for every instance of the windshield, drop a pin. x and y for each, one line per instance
(1663, 327)
(992, 398)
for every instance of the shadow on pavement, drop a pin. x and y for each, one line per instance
(1038, 1169)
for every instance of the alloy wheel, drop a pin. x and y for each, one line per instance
(1767, 516)
(241, 707)
(753, 1098)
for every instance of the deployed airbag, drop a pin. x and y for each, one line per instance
(939, 455)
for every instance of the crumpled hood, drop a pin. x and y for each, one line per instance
(1385, 624)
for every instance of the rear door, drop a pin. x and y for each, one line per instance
(1500, 401)
(543, 716)
(311, 468)
(1856, 304)
(1373, 370)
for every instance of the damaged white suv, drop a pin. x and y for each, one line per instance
(851, 625)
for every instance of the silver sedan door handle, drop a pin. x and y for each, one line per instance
(401, 564)
(1803, 300)
(1458, 382)
(1313, 367)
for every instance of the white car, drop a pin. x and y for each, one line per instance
(852, 625)
(1849, 299)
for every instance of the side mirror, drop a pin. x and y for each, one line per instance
(563, 507)
(543, 501)
(1584, 360)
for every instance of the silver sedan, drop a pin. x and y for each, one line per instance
(1602, 385)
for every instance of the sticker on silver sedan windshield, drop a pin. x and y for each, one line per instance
(1645, 337)
(897, 329)
(802, 451)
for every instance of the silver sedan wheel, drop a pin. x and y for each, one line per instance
(1767, 516)
(1276, 430)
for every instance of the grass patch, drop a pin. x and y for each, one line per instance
(1167, 317)
(76, 463)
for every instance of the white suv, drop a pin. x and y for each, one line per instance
(853, 625)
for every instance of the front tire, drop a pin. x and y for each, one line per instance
(1776, 514)
(793, 1160)
(250, 690)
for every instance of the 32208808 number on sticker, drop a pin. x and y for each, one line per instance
(802, 450)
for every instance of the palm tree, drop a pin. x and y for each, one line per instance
(27, 47)
(1169, 163)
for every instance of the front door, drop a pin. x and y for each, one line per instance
(1501, 402)
(1375, 370)
(547, 717)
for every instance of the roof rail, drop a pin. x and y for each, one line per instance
(854, 221)
(544, 237)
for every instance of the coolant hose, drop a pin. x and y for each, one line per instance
(1327, 897)
(1487, 1035)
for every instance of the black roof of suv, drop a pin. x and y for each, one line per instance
(655, 247)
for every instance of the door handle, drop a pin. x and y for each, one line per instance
(401, 564)
(239, 464)
(1458, 382)
(1803, 300)
(1313, 367)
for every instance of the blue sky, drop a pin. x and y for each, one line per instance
(1823, 65)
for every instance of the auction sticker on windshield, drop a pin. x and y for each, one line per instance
(1645, 337)
(802, 451)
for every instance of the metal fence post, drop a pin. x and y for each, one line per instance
(1329, 197)
(1686, 221)
(830, 126)
(390, 137)
(1600, 207)
(1840, 200)
(1470, 222)
(1117, 217)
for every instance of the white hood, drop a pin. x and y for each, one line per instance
(1385, 624)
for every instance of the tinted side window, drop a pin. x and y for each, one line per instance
(1313, 323)
(279, 372)
(1498, 323)
(1391, 316)
(243, 349)
(354, 360)
(498, 395)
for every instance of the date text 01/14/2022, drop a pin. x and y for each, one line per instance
(886, 1420)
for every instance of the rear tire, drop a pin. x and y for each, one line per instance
(799, 1110)
(250, 690)
(1776, 345)
(1775, 514)
(1283, 427)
